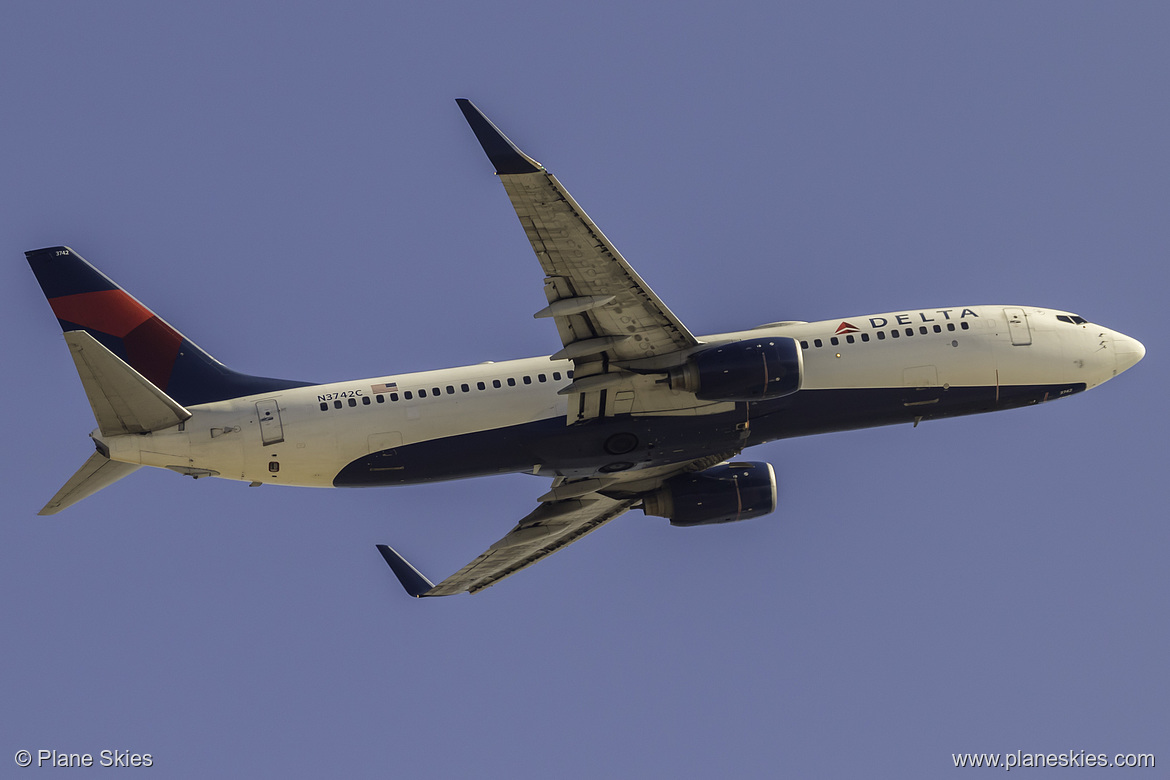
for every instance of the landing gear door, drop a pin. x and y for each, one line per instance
(271, 430)
(1018, 328)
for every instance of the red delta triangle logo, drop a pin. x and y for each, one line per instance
(846, 327)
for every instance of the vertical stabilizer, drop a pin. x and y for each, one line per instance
(85, 299)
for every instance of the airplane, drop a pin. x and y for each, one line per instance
(634, 411)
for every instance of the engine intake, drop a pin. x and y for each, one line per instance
(752, 370)
(722, 494)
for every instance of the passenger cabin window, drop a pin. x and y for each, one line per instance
(465, 388)
(527, 380)
(365, 400)
(818, 342)
(381, 398)
(407, 395)
(511, 382)
(495, 383)
(422, 393)
(337, 404)
(541, 378)
(480, 386)
(881, 335)
(324, 406)
(353, 402)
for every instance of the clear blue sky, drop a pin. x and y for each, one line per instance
(293, 187)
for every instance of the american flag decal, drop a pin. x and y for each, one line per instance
(389, 387)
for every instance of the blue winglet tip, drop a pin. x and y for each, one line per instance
(504, 154)
(411, 578)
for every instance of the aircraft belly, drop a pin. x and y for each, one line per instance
(551, 448)
(829, 410)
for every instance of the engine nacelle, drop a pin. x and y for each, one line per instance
(751, 370)
(722, 494)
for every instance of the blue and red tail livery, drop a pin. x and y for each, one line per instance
(83, 298)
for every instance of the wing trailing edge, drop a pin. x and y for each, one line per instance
(550, 527)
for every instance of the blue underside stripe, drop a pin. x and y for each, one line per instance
(640, 442)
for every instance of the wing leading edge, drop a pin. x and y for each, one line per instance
(607, 317)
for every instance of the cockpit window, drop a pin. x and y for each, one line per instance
(1071, 319)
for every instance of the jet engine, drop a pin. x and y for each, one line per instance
(751, 370)
(722, 494)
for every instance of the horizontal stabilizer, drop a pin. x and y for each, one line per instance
(123, 400)
(97, 473)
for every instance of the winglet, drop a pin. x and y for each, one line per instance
(502, 152)
(411, 578)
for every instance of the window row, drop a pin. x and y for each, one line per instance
(881, 334)
(435, 392)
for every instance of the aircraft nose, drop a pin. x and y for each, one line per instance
(1127, 352)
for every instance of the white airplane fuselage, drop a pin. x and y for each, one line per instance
(508, 417)
(633, 412)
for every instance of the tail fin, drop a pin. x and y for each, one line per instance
(85, 299)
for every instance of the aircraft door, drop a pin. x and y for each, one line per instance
(271, 429)
(1017, 321)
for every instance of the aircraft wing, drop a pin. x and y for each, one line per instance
(568, 512)
(605, 314)
(544, 531)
